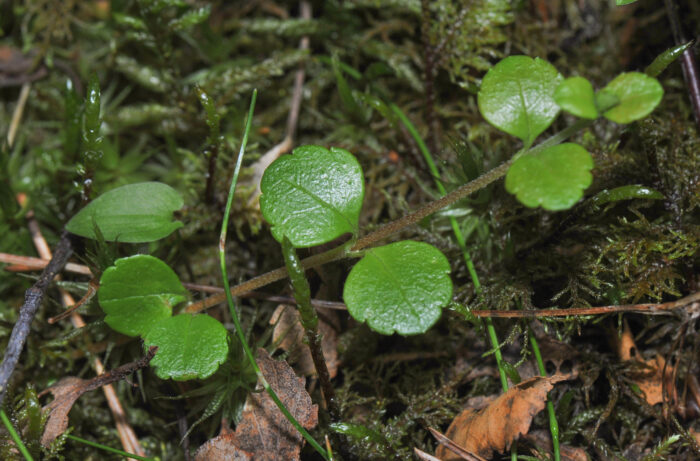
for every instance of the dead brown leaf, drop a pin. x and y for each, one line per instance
(263, 432)
(68, 390)
(290, 334)
(496, 427)
(653, 372)
(223, 448)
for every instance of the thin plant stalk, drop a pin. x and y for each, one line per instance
(231, 302)
(109, 449)
(15, 436)
(309, 320)
(459, 236)
(388, 229)
(553, 423)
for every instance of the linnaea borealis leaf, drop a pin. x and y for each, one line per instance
(137, 292)
(313, 196)
(134, 213)
(399, 288)
(553, 178)
(576, 96)
(638, 95)
(189, 346)
(517, 96)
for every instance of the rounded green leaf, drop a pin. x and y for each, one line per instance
(517, 96)
(189, 346)
(401, 287)
(137, 292)
(134, 213)
(639, 94)
(575, 95)
(312, 196)
(553, 178)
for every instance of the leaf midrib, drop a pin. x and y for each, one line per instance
(322, 202)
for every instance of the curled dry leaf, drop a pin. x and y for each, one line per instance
(263, 432)
(68, 390)
(290, 334)
(653, 373)
(496, 427)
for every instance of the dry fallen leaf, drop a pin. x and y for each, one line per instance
(65, 393)
(290, 334)
(264, 433)
(223, 448)
(68, 390)
(653, 372)
(496, 427)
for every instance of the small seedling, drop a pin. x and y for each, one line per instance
(138, 293)
(315, 196)
(523, 96)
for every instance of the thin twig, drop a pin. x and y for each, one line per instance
(128, 438)
(28, 263)
(32, 301)
(17, 114)
(373, 237)
(648, 309)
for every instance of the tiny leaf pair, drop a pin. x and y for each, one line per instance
(522, 96)
(314, 196)
(632, 95)
(138, 294)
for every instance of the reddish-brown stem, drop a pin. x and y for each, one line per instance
(691, 75)
(373, 237)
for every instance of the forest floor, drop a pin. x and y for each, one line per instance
(602, 296)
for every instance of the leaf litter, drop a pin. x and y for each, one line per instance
(263, 432)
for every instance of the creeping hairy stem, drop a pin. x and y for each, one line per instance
(394, 226)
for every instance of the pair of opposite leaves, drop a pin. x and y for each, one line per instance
(523, 96)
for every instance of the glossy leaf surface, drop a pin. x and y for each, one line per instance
(312, 196)
(576, 96)
(632, 191)
(517, 96)
(137, 292)
(189, 346)
(662, 61)
(401, 287)
(134, 213)
(553, 178)
(639, 94)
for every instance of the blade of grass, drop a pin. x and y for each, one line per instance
(553, 423)
(459, 236)
(229, 297)
(109, 449)
(15, 436)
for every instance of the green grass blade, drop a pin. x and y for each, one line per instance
(229, 298)
(15, 436)
(109, 449)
